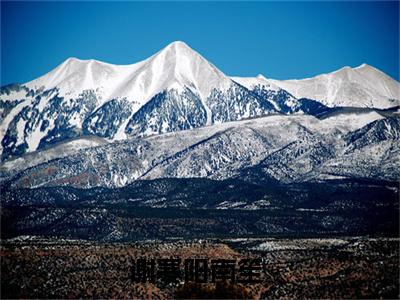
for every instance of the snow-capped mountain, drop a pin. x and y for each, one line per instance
(85, 145)
(363, 86)
(280, 99)
(275, 148)
(175, 89)
(175, 67)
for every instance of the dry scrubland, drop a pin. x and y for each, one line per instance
(295, 268)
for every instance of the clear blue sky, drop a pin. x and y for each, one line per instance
(278, 39)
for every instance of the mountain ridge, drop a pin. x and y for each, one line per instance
(174, 89)
(280, 148)
(361, 86)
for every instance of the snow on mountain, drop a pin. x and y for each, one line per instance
(59, 151)
(122, 162)
(280, 99)
(363, 86)
(346, 122)
(175, 89)
(279, 148)
(252, 82)
(176, 65)
(372, 150)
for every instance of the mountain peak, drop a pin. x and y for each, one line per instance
(178, 63)
(363, 65)
(71, 59)
(178, 45)
(367, 68)
(262, 77)
(362, 86)
(178, 49)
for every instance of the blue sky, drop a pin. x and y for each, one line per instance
(278, 39)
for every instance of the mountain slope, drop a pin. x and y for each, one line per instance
(175, 89)
(175, 65)
(278, 98)
(275, 148)
(363, 86)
